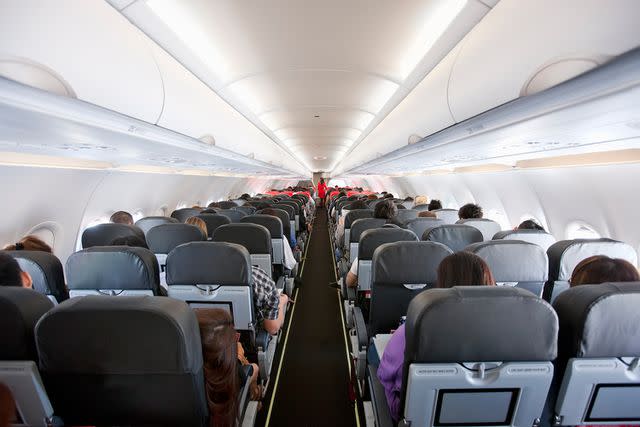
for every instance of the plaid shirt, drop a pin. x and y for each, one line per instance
(265, 295)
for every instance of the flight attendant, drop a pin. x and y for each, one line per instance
(322, 191)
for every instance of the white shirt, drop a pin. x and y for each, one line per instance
(354, 267)
(289, 260)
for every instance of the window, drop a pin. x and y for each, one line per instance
(581, 230)
(45, 231)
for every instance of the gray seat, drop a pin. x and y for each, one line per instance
(419, 225)
(214, 221)
(449, 216)
(566, 254)
(487, 227)
(114, 271)
(234, 215)
(405, 215)
(455, 236)
(349, 219)
(46, 272)
(246, 209)
(120, 361)
(477, 355)
(538, 237)
(182, 215)
(421, 208)
(515, 263)
(599, 354)
(104, 234)
(163, 238)
(255, 238)
(358, 227)
(286, 224)
(274, 225)
(227, 204)
(147, 223)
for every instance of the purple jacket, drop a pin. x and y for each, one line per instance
(390, 371)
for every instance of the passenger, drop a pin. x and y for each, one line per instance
(7, 406)
(529, 224)
(133, 241)
(435, 204)
(358, 204)
(29, 243)
(245, 196)
(600, 269)
(426, 214)
(322, 191)
(388, 196)
(459, 269)
(11, 274)
(198, 222)
(372, 197)
(121, 217)
(420, 201)
(470, 211)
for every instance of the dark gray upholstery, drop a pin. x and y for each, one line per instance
(123, 361)
(247, 210)
(46, 272)
(147, 223)
(227, 204)
(287, 208)
(455, 236)
(163, 238)
(113, 267)
(419, 225)
(104, 234)
(449, 216)
(355, 215)
(214, 263)
(214, 221)
(234, 215)
(20, 310)
(405, 215)
(285, 219)
(370, 240)
(184, 214)
(271, 223)
(361, 225)
(394, 266)
(293, 204)
(538, 237)
(600, 320)
(254, 237)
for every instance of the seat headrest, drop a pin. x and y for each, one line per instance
(272, 223)
(184, 214)
(480, 324)
(214, 221)
(538, 237)
(566, 254)
(227, 204)
(104, 234)
(371, 239)
(163, 238)
(113, 267)
(487, 227)
(45, 270)
(103, 335)
(233, 215)
(20, 310)
(419, 225)
(287, 208)
(513, 260)
(449, 216)
(395, 263)
(455, 236)
(600, 320)
(284, 217)
(209, 263)
(355, 215)
(405, 215)
(360, 225)
(254, 237)
(147, 223)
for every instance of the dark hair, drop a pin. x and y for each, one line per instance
(464, 269)
(358, 204)
(245, 196)
(220, 362)
(435, 204)
(388, 196)
(385, 209)
(322, 180)
(29, 243)
(133, 241)
(600, 269)
(529, 224)
(7, 406)
(9, 271)
(469, 211)
(121, 217)
(213, 205)
(372, 197)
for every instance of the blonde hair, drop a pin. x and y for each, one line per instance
(420, 200)
(198, 222)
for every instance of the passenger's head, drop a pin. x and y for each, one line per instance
(426, 214)
(358, 204)
(29, 243)
(219, 351)
(7, 406)
(198, 222)
(121, 217)
(213, 205)
(321, 180)
(529, 224)
(435, 204)
(464, 269)
(245, 196)
(388, 196)
(470, 211)
(11, 274)
(420, 200)
(133, 241)
(600, 269)
(385, 209)
(372, 197)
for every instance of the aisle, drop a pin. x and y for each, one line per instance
(313, 385)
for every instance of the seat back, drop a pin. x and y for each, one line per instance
(599, 352)
(246, 209)
(213, 275)
(113, 270)
(274, 225)
(119, 361)
(421, 208)
(405, 215)
(477, 355)
(104, 234)
(487, 227)
(20, 310)
(290, 212)
(455, 236)
(46, 272)
(214, 221)
(449, 216)
(286, 223)
(396, 278)
(33, 407)
(255, 239)
(537, 237)
(566, 254)
(370, 240)
(358, 227)
(182, 215)
(147, 223)
(419, 225)
(227, 204)
(349, 218)
(163, 238)
(295, 205)
(515, 263)
(234, 214)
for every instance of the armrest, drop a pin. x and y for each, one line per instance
(280, 283)
(262, 339)
(361, 328)
(379, 399)
(245, 372)
(352, 293)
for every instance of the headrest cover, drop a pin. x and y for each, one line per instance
(104, 234)
(184, 214)
(214, 221)
(209, 263)
(272, 223)
(360, 225)
(455, 236)
(355, 215)
(480, 324)
(600, 320)
(395, 263)
(539, 237)
(419, 225)
(254, 237)
(163, 238)
(45, 270)
(147, 223)
(20, 310)
(113, 267)
(371, 239)
(99, 334)
(566, 254)
(513, 260)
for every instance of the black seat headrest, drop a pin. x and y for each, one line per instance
(371, 239)
(209, 263)
(104, 234)
(147, 223)
(513, 260)
(163, 238)
(184, 214)
(272, 223)
(227, 204)
(455, 236)
(360, 225)
(45, 270)
(214, 221)
(395, 263)
(234, 215)
(355, 215)
(254, 237)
